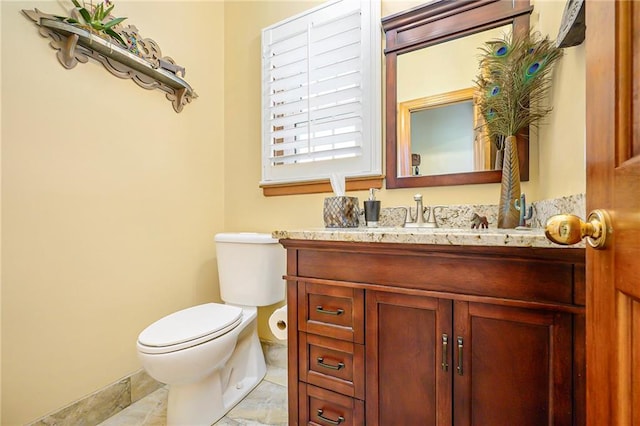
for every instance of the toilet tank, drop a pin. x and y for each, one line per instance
(250, 268)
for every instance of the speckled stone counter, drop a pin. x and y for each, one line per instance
(440, 236)
(454, 228)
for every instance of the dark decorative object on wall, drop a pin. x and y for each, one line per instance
(572, 26)
(121, 50)
(514, 80)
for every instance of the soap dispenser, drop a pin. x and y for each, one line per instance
(372, 209)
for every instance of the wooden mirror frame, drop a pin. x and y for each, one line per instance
(431, 24)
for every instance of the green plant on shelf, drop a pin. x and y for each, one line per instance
(93, 19)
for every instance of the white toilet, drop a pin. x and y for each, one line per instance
(210, 355)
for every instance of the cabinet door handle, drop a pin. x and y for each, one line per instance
(321, 310)
(460, 347)
(328, 420)
(321, 363)
(445, 352)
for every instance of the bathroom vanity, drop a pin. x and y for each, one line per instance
(434, 328)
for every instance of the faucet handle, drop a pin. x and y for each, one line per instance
(432, 216)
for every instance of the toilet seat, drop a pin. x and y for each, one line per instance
(189, 327)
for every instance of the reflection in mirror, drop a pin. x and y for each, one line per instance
(443, 137)
(442, 134)
(442, 114)
(431, 58)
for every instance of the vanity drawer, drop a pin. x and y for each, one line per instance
(332, 364)
(491, 273)
(322, 407)
(336, 312)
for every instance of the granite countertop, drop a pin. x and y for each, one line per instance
(442, 236)
(455, 227)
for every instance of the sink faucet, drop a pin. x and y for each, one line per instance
(419, 209)
(419, 220)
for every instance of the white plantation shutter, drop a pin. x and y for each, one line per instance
(321, 93)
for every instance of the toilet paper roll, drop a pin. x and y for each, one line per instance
(278, 323)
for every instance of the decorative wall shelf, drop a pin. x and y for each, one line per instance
(148, 69)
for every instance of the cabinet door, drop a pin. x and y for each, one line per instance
(406, 379)
(512, 366)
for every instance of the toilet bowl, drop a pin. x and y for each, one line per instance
(210, 355)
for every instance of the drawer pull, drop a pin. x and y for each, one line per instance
(460, 347)
(445, 352)
(321, 310)
(321, 363)
(328, 420)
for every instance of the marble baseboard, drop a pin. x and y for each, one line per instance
(107, 402)
(102, 404)
(275, 354)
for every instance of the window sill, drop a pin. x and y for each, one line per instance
(320, 186)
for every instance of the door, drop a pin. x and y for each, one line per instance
(408, 360)
(613, 183)
(513, 366)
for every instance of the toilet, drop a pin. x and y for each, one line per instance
(210, 354)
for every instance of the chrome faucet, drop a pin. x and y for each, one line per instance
(419, 221)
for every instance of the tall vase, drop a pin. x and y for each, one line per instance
(508, 216)
(499, 152)
(499, 157)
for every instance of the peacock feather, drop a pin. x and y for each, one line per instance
(514, 79)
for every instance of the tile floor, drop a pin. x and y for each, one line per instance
(265, 405)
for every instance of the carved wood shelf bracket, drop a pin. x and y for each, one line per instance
(148, 68)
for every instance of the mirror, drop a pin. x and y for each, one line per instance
(432, 124)
(440, 134)
(442, 129)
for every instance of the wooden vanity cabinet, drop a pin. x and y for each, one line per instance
(434, 335)
(491, 365)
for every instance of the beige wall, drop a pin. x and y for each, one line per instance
(110, 201)
(419, 77)
(0, 225)
(561, 136)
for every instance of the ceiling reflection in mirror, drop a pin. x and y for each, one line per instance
(439, 128)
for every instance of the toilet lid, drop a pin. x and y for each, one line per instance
(195, 323)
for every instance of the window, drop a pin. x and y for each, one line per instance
(321, 93)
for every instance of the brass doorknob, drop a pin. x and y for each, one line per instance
(567, 229)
